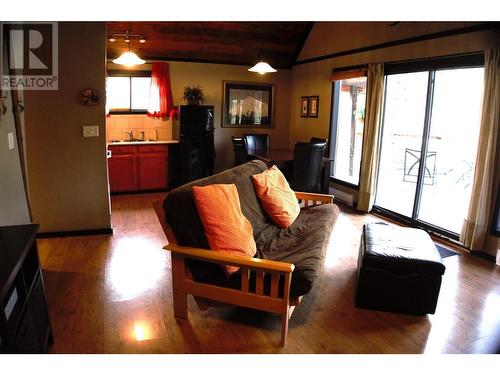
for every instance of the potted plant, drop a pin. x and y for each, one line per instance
(360, 114)
(193, 95)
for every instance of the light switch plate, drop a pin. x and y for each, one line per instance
(91, 131)
(10, 136)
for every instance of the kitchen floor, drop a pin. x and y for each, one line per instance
(112, 294)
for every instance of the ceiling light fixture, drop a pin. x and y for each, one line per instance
(129, 58)
(262, 68)
(112, 39)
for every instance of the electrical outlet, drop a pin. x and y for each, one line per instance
(91, 131)
(10, 136)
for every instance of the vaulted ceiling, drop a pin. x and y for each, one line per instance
(243, 43)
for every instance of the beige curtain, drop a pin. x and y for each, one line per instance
(371, 137)
(477, 223)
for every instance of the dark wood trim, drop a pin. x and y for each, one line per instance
(344, 183)
(131, 112)
(128, 73)
(467, 60)
(495, 221)
(483, 255)
(301, 43)
(384, 212)
(76, 233)
(140, 191)
(420, 38)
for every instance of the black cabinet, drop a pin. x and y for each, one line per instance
(24, 318)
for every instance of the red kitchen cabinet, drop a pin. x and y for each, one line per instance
(135, 168)
(123, 173)
(153, 171)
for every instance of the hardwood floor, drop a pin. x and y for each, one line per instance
(112, 294)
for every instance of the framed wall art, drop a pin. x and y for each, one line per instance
(247, 105)
(313, 106)
(304, 106)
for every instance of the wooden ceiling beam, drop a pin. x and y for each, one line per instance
(222, 42)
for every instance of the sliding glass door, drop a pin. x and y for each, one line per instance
(429, 143)
(453, 139)
(401, 141)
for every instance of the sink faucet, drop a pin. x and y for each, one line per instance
(130, 135)
(156, 131)
(142, 135)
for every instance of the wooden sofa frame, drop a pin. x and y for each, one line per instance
(207, 295)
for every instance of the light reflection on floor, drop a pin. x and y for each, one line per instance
(443, 328)
(142, 331)
(136, 266)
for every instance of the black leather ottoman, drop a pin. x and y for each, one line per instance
(399, 270)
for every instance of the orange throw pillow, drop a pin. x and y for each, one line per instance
(226, 228)
(276, 196)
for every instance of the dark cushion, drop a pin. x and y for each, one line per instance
(304, 244)
(400, 250)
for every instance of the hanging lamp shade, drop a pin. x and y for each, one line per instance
(262, 68)
(129, 59)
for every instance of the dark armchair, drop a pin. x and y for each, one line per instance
(240, 150)
(257, 142)
(307, 167)
(318, 140)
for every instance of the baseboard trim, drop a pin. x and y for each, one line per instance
(142, 191)
(75, 233)
(483, 255)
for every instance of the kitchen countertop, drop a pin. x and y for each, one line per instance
(122, 143)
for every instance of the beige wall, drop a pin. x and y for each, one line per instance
(329, 37)
(313, 78)
(13, 204)
(210, 77)
(67, 173)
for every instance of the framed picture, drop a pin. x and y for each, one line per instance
(313, 106)
(247, 105)
(304, 106)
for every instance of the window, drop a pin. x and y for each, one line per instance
(429, 141)
(127, 94)
(348, 109)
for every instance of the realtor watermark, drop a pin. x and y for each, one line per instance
(29, 55)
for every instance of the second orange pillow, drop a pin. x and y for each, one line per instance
(276, 196)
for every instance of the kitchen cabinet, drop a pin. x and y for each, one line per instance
(138, 167)
(24, 319)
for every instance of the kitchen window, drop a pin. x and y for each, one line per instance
(127, 94)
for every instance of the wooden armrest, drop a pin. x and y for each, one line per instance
(324, 198)
(234, 260)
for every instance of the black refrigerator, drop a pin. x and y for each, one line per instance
(196, 143)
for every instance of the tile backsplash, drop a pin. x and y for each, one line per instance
(117, 127)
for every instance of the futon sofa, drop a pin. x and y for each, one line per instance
(286, 264)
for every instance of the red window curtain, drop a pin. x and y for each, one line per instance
(161, 104)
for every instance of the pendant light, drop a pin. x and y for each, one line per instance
(262, 68)
(129, 58)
